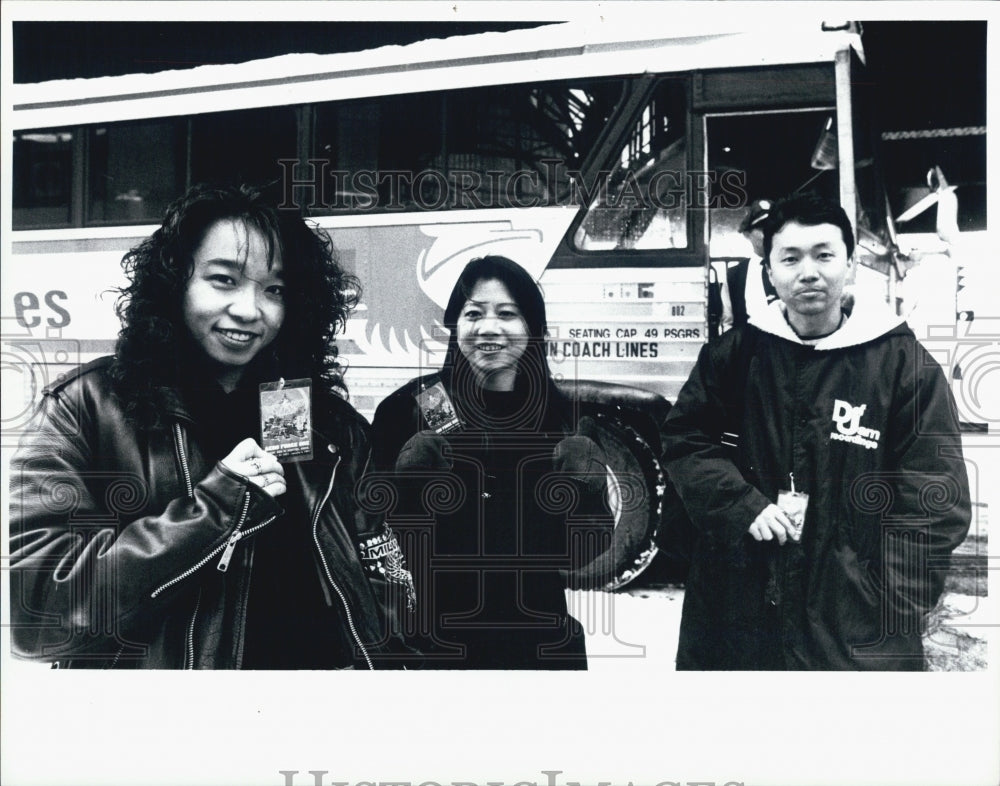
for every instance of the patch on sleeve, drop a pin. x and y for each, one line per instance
(381, 554)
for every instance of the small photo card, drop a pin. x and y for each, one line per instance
(437, 409)
(794, 503)
(286, 419)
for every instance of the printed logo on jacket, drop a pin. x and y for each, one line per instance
(847, 419)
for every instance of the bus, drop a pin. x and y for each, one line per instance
(613, 161)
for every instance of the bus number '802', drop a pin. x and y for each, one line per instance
(29, 310)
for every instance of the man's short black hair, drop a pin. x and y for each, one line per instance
(809, 210)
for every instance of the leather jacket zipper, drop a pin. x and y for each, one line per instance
(182, 458)
(229, 546)
(326, 567)
(226, 547)
(238, 533)
(227, 553)
(189, 651)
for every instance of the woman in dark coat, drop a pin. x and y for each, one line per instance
(489, 478)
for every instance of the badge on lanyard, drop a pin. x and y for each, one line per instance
(437, 409)
(794, 504)
(286, 419)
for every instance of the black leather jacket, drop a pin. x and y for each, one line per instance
(129, 549)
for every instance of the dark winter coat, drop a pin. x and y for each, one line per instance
(490, 540)
(866, 423)
(119, 537)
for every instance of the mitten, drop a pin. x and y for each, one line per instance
(424, 451)
(583, 460)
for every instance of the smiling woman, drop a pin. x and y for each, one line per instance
(492, 334)
(212, 556)
(503, 483)
(234, 304)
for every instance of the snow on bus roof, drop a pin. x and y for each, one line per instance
(588, 48)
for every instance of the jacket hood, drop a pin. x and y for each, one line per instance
(868, 318)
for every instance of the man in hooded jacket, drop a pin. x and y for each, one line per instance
(841, 405)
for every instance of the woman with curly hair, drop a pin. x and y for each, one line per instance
(150, 526)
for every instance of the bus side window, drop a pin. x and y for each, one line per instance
(498, 146)
(43, 176)
(641, 201)
(136, 169)
(243, 146)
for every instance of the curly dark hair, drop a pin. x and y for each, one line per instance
(153, 348)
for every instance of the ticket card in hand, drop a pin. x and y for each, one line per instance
(437, 409)
(286, 419)
(794, 504)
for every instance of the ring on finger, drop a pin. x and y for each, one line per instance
(265, 479)
(255, 463)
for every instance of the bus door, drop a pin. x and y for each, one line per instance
(773, 131)
(629, 286)
(790, 130)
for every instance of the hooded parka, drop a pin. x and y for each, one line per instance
(865, 423)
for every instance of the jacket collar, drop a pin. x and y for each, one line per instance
(868, 318)
(176, 408)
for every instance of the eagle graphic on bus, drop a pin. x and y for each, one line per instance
(407, 273)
